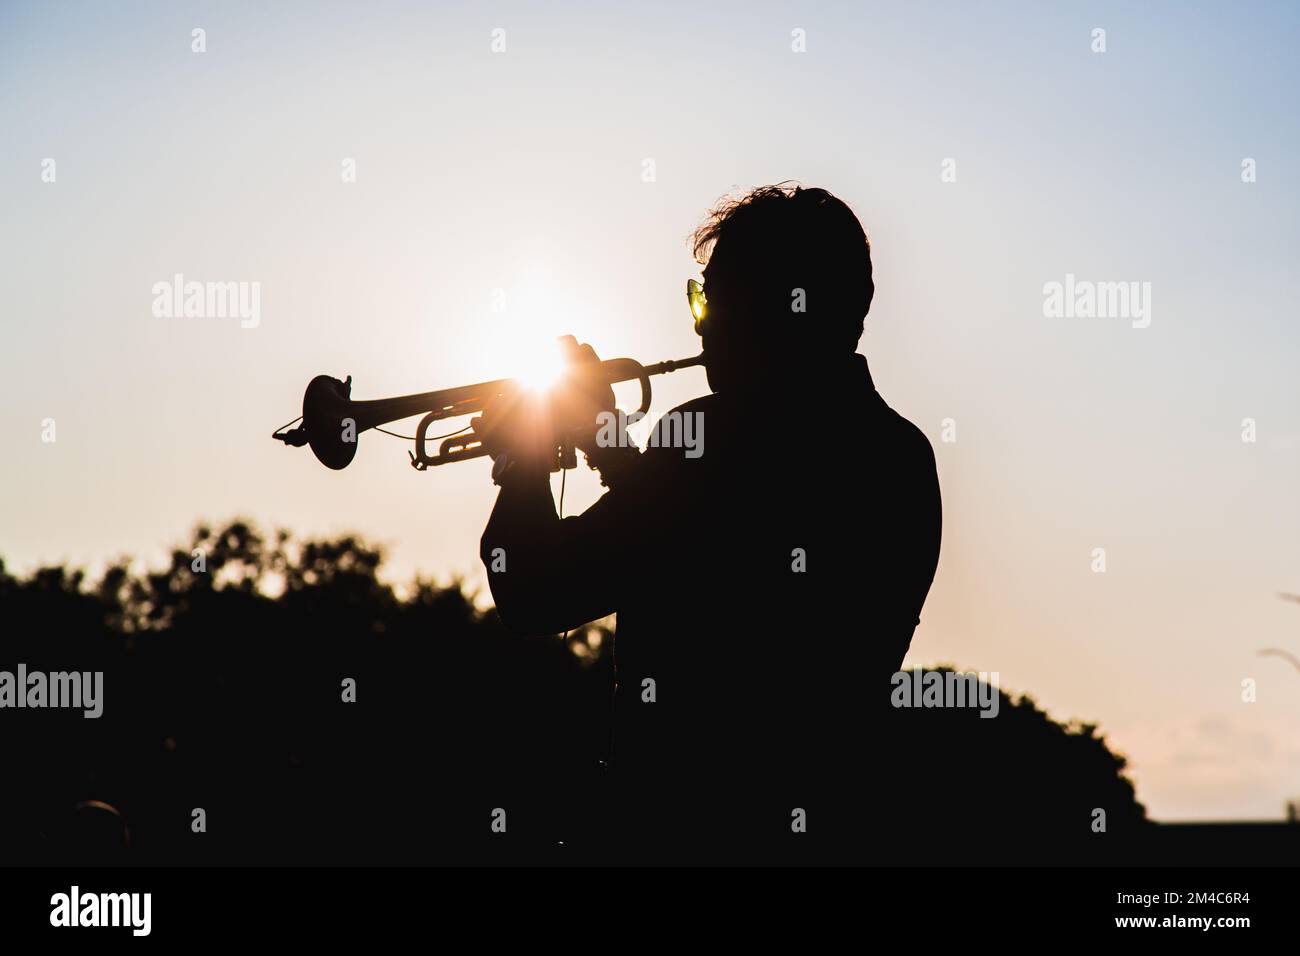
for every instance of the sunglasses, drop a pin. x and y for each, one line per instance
(698, 302)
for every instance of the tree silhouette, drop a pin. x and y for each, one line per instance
(223, 677)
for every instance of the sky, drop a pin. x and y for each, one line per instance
(548, 186)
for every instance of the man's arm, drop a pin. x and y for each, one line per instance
(549, 575)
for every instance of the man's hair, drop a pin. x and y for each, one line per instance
(786, 237)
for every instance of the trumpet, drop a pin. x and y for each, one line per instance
(331, 420)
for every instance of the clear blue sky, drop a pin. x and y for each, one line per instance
(523, 171)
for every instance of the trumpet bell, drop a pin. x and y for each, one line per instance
(325, 405)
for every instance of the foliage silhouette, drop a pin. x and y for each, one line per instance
(223, 691)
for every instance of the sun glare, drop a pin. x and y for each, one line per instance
(539, 365)
(522, 337)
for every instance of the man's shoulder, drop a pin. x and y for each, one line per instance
(705, 403)
(907, 436)
(678, 434)
(689, 417)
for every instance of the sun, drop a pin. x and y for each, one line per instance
(537, 364)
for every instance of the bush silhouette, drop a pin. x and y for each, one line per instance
(1019, 786)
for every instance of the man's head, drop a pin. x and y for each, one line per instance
(788, 281)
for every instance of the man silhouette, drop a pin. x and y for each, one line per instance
(767, 583)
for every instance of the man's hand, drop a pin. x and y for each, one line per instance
(582, 395)
(517, 426)
(528, 428)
